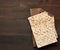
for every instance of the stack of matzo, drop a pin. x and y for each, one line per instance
(43, 29)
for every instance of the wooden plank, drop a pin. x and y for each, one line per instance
(14, 27)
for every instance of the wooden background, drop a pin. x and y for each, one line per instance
(15, 31)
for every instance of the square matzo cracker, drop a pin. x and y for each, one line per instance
(43, 29)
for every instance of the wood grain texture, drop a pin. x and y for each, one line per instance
(14, 23)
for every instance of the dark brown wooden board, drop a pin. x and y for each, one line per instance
(15, 31)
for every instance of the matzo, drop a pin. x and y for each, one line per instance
(43, 29)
